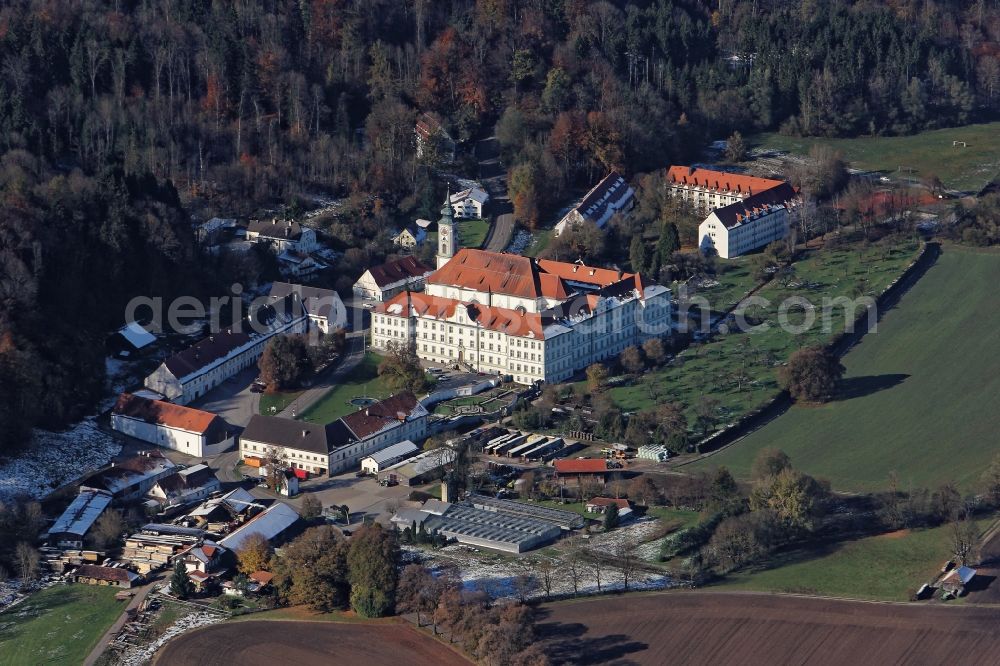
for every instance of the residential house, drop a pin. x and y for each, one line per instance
(191, 431)
(533, 319)
(188, 485)
(410, 237)
(92, 574)
(612, 195)
(292, 264)
(70, 528)
(432, 138)
(271, 524)
(132, 477)
(193, 372)
(282, 236)
(469, 203)
(323, 307)
(600, 505)
(207, 557)
(384, 281)
(337, 446)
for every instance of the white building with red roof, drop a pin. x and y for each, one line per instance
(528, 318)
(743, 212)
(191, 431)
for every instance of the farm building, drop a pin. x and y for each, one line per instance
(183, 429)
(478, 527)
(218, 513)
(271, 523)
(601, 504)
(578, 469)
(131, 338)
(955, 581)
(92, 574)
(566, 520)
(428, 466)
(388, 456)
(72, 526)
(133, 477)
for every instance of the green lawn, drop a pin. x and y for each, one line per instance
(924, 391)
(671, 516)
(472, 233)
(968, 168)
(540, 240)
(363, 381)
(58, 625)
(278, 401)
(706, 369)
(888, 567)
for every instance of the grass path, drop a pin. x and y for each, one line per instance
(923, 391)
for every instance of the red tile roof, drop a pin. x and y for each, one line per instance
(396, 271)
(581, 466)
(368, 421)
(519, 276)
(719, 180)
(261, 577)
(164, 413)
(608, 501)
(491, 318)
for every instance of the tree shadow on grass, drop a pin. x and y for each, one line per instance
(567, 643)
(859, 387)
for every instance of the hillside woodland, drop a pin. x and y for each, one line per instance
(121, 120)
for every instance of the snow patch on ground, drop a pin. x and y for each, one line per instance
(520, 242)
(141, 654)
(55, 459)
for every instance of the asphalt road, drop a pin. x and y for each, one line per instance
(232, 400)
(354, 352)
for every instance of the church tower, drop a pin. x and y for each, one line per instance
(447, 234)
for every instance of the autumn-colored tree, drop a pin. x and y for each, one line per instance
(631, 360)
(417, 591)
(254, 554)
(597, 375)
(812, 374)
(312, 569)
(400, 369)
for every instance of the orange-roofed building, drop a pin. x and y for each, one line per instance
(535, 320)
(743, 213)
(192, 431)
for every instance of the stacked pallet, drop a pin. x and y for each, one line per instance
(148, 552)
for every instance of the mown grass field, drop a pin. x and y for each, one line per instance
(968, 168)
(887, 567)
(472, 233)
(272, 403)
(922, 393)
(58, 625)
(363, 381)
(707, 369)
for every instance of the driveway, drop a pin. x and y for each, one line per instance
(363, 496)
(232, 400)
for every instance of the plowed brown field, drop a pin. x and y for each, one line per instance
(750, 628)
(283, 642)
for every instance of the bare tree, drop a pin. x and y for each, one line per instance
(546, 575)
(964, 540)
(26, 558)
(626, 561)
(275, 464)
(597, 566)
(573, 566)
